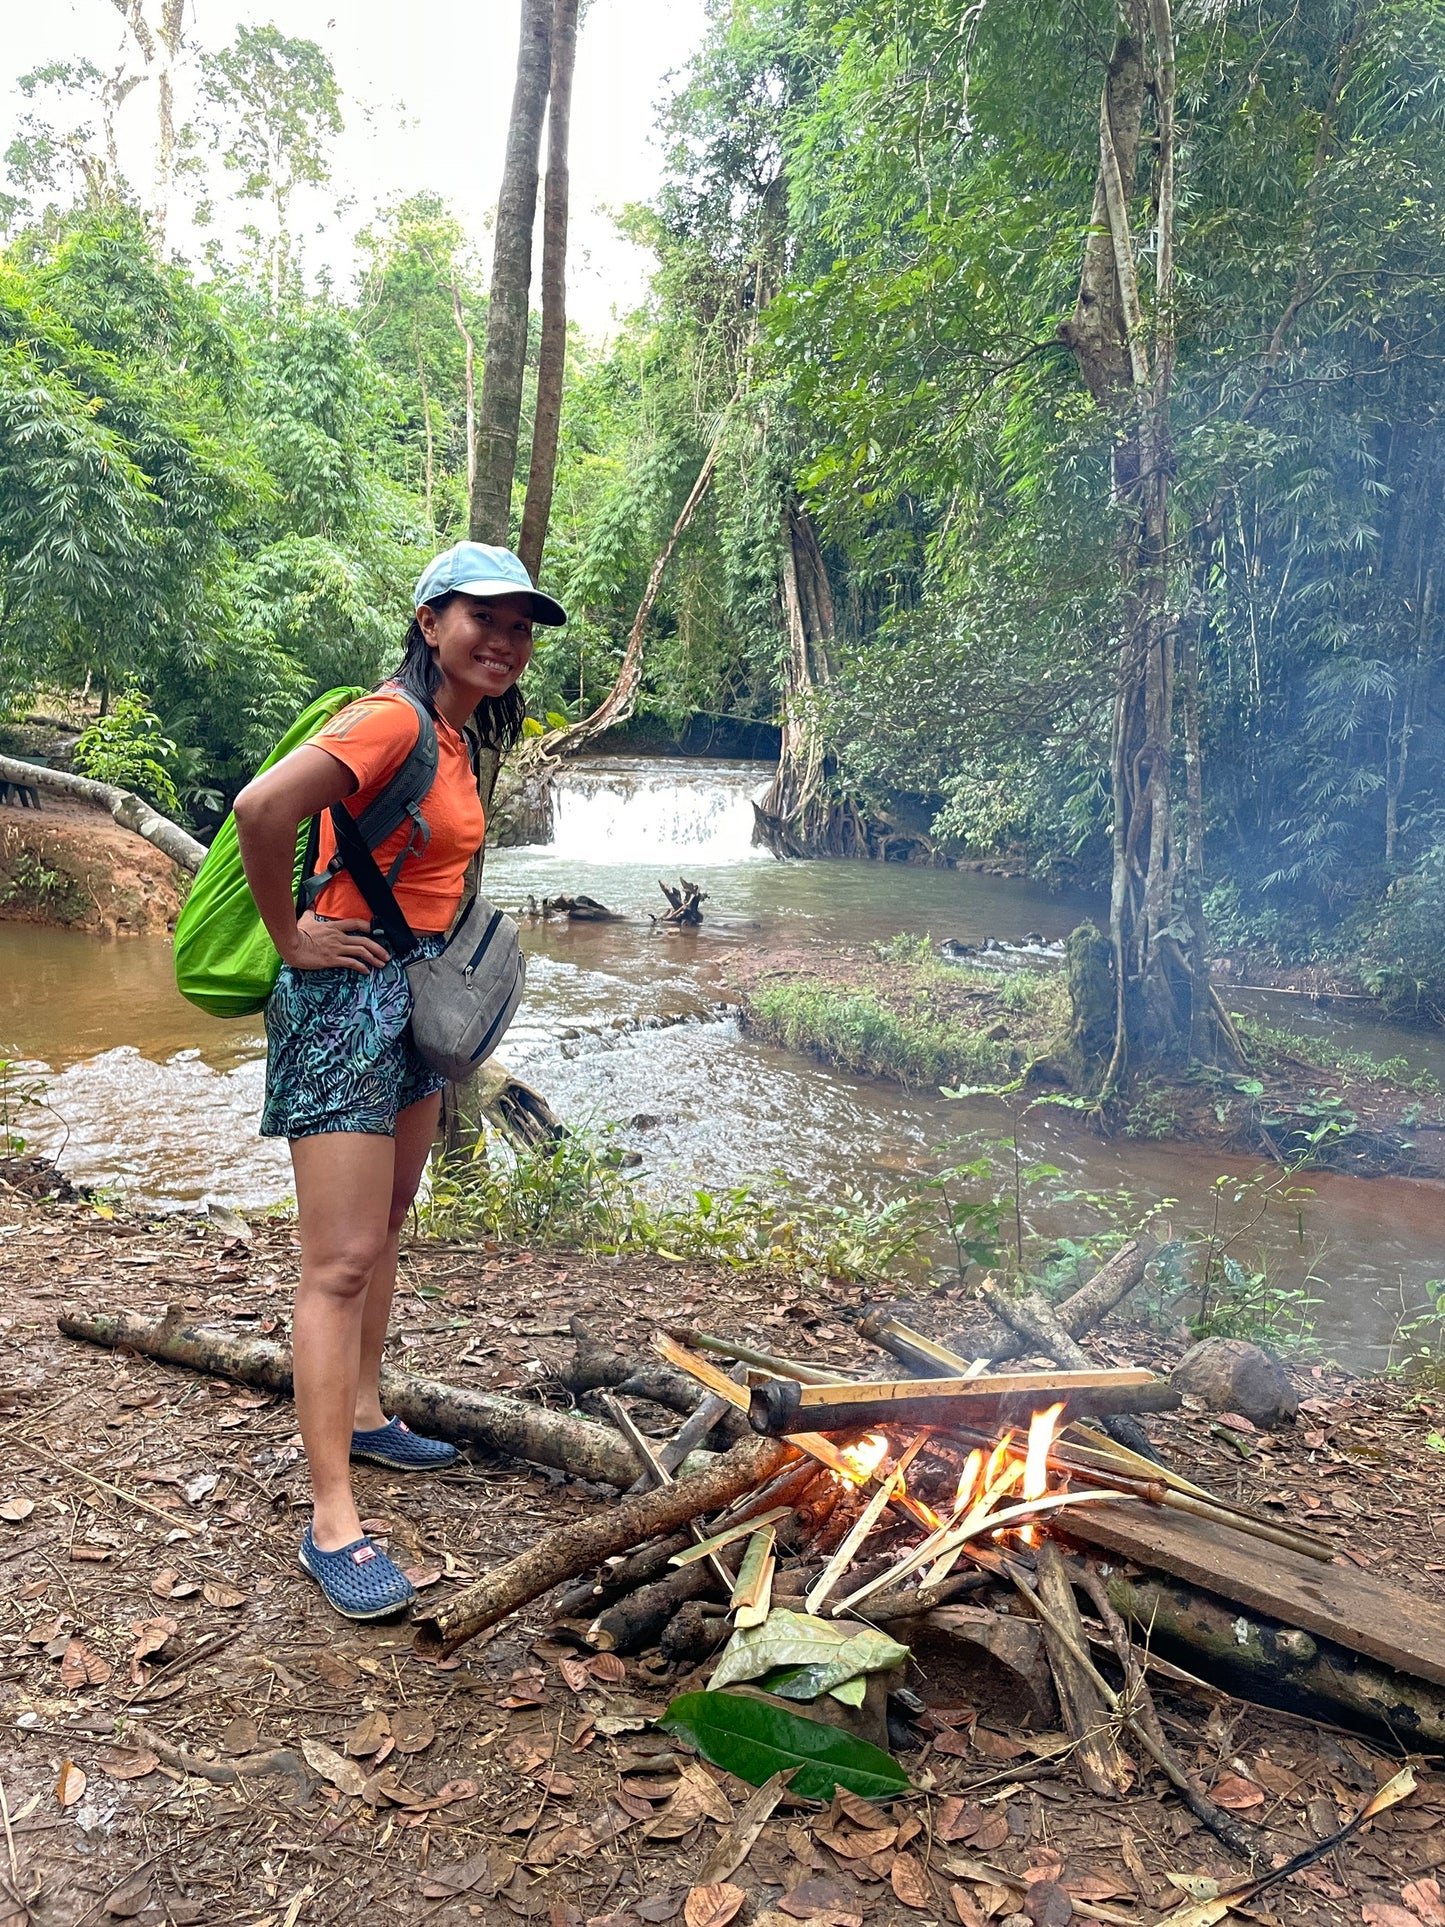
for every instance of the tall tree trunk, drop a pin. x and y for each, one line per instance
(797, 817)
(429, 472)
(552, 354)
(1164, 1003)
(506, 357)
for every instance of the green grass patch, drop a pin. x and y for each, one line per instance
(855, 1031)
(1327, 1054)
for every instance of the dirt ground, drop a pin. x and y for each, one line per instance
(68, 864)
(167, 1673)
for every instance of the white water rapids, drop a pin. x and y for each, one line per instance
(641, 810)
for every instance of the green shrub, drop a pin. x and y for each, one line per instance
(855, 1032)
(126, 748)
(1404, 946)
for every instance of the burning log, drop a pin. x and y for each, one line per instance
(507, 1425)
(570, 1550)
(781, 1407)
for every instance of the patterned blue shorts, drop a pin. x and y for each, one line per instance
(339, 1055)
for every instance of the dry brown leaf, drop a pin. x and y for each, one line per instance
(1047, 1904)
(81, 1555)
(995, 1898)
(17, 1508)
(965, 1907)
(910, 1883)
(989, 1837)
(412, 1730)
(712, 1906)
(1096, 1886)
(814, 1898)
(366, 1737)
(997, 1746)
(607, 1666)
(1384, 1913)
(336, 1671)
(221, 1594)
(70, 1787)
(1236, 1794)
(168, 1584)
(238, 1735)
(909, 1828)
(131, 1899)
(1423, 1897)
(957, 1819)
(342, 1773)
(575, 1674)
(125, 1763)
(859, 1845)
(151, 1635)
(952, 1742)
(852, 1806)
(80, 1667)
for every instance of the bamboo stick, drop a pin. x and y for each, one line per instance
(728, 1536)
(765, 1361)
(862, 1526)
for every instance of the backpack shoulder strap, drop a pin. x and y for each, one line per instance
(400, 797)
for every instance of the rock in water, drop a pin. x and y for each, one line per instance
(1231, 1375)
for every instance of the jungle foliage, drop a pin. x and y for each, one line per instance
(217, 484)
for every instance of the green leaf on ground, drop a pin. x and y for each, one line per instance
(824, 1654)
(754, 1740)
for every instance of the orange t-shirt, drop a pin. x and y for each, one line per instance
(373, 737)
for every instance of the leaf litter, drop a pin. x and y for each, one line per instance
(428, 1823)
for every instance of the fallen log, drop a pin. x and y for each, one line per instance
(686, 900)
(1400, 1630)
(1080, 1311)
(132, 812)
(637, 1621)
(1262, 1659)
(597, 1367)
(1096, 1749)
(571, 1549)
(499, 1424)
(610, 1584)
(1036, 1323)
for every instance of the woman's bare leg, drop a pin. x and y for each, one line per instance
(416, 1128)
(344, 1183)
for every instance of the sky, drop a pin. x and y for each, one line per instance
(427, 87)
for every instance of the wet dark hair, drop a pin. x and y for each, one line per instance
(498, 718)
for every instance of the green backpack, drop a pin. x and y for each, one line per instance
(225, 960)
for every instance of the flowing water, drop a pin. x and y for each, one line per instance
(146, 1093)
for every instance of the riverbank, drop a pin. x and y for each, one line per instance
(73, 867)
(901, 1011)
(159, 1640)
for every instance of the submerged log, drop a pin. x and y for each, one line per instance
(686, 900)
(570, 1550)
(499, 1424)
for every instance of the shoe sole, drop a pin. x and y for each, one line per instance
(403, 1465)
(384, 1612)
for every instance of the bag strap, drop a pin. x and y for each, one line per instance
(372, 884)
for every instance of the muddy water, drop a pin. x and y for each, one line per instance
(146, 1093)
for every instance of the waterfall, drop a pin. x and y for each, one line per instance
(654, 811)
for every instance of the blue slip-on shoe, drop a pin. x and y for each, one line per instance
(358, 1580)
(396, 1445)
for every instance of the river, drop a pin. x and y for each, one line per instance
(146, 1094)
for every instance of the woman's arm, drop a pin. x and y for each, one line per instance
(269, 812)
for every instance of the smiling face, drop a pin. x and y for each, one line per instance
(481, 643)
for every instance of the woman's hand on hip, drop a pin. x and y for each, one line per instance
(344, 944)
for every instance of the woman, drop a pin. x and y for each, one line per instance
(343, 1081)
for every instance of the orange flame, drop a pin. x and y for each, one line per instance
(968, 1480)
(1042, 1427)
(864, 1458)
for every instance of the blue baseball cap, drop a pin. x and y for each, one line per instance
(474, 568)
